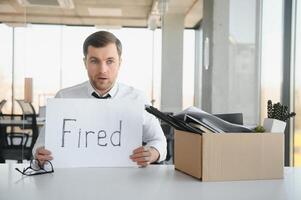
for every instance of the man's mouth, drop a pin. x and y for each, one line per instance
(102, 78)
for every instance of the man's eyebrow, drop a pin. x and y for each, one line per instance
(111, 58)
(92, 57)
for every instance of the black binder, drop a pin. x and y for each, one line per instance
(182, 121)
(172, 121)
(215, 123)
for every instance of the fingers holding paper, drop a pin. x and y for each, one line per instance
(43, 155)
(143, 156)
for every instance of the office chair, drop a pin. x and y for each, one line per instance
(169, 134)
(19, 144)
(2, 132)
(1, 105)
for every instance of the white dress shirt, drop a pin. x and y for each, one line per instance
(152, 133)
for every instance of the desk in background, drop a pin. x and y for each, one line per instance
(19, 122)
(151, 183)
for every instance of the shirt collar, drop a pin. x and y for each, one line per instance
(112, 92)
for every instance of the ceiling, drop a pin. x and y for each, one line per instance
(106, 13)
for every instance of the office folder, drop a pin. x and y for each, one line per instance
(172, 121)
(192, 118)
(215, 124)
(201, 125)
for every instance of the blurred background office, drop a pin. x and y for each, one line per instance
(224, 56)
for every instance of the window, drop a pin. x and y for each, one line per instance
(240, 80)
(6, 49)
(188, 67)
(297, 98)
(272, 53)
(37, 57)
(57, 63)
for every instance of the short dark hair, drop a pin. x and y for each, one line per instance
(102, 39)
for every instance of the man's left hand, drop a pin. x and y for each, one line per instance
(143, 156)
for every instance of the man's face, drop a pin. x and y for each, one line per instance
(102, 65)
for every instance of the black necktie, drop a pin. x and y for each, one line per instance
(94, 94)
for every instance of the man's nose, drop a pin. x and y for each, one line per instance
(103, 67)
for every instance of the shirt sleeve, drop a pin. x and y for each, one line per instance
(153, 135)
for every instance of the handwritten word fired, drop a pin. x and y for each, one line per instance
(103, 138)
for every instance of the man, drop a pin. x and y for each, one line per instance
(102, 58)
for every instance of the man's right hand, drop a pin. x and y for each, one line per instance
(42, 155)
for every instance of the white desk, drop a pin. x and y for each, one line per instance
(154, 182)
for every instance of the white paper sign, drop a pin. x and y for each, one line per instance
(93, 132)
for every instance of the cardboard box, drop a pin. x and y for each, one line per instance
(230, 156)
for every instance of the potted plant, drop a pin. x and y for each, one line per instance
(277, 116)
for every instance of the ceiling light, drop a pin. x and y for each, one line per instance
(67, 4)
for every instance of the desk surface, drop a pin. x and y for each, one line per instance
(154, 182)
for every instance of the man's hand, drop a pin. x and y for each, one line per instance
(143, 156)
(42, 155)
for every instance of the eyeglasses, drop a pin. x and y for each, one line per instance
(35, 168)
